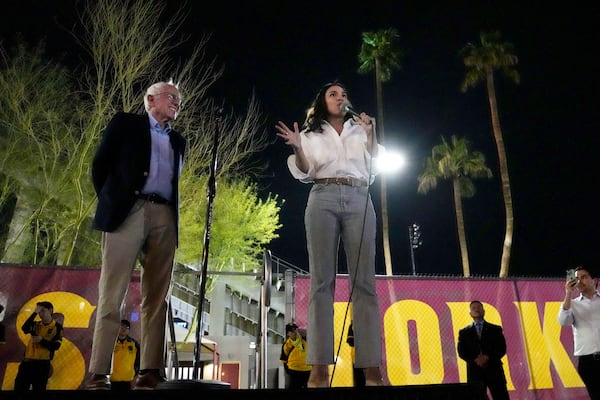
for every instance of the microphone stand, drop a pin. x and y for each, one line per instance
(211, 192)
(212, 188)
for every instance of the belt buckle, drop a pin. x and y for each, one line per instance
(596, 356)
(154, 198)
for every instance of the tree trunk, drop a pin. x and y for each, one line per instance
(385, 228)
(460, 226)
(19, 235)
(506, 193)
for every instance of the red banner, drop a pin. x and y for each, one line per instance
(421, 318)
(73, 292)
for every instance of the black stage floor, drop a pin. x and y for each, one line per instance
(204, 392)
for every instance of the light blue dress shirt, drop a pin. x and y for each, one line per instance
(161, 161)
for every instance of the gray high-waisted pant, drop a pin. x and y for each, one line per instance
(346, 213)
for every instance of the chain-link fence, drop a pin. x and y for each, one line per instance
(420, 319)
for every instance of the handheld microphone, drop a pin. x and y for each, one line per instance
(346, 108)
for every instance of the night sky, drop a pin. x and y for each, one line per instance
(284, 52)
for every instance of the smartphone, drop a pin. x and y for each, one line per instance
(571, 274)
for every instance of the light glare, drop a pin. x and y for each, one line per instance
(391, 161)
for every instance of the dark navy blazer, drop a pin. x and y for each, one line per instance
(121, 166)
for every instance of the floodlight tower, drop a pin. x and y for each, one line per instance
(414, 239)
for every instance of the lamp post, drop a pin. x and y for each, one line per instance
(414, 239)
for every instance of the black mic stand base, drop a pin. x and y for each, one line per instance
(191, 384)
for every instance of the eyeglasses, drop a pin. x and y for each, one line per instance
(172, 98)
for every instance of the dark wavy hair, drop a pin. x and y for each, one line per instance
(589, 271)
(317, 112)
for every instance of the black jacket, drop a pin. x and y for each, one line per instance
(492, 343)
(121, 166)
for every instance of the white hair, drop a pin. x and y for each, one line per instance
(155, 89)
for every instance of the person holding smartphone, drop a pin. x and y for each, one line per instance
(294, 353)
(582, 313)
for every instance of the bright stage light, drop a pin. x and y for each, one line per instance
(391, 161)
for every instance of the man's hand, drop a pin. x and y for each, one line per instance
(570, 285)
(482, 360)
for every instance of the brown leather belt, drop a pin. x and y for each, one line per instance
(341, 181)
(153, 198)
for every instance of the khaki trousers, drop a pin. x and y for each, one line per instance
(149, 233)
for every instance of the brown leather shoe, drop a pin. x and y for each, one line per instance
(147, 381)
(98, 382)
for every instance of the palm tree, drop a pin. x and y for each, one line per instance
(455, 161)
(481, 62)
(380, 52)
